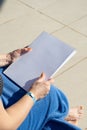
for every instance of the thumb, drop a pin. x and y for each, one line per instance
(42, 77)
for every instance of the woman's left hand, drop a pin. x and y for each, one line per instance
(6, 59)
(17, 53)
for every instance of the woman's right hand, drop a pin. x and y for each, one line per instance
(41, 87)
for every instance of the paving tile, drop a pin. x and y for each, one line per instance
(38, 4)
(75, 40)
(12, 9)
(67, 11)
(20, 25)
(81, 26)
(25, 29)
(74, 84)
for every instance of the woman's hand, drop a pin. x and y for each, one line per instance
(6, 59)
(41, 87)
(17, 53)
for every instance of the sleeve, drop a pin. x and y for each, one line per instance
(1, 85)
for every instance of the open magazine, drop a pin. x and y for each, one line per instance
(48, 55)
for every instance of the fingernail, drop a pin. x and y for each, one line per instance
(30, 49)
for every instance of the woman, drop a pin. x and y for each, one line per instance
(44, 107)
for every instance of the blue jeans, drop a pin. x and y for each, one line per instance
(46, 114)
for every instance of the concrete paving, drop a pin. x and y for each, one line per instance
(21, 21)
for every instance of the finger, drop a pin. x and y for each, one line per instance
(25, 50)
(42, 77)
(50, 81)
(16, 51)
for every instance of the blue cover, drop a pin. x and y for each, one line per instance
(47, 113)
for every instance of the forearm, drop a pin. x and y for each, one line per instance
(14, 115)
(18, 112)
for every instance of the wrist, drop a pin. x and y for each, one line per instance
(35, 92)
(32, 96)
(4, 60)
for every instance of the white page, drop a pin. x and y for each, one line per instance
(48, 55)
